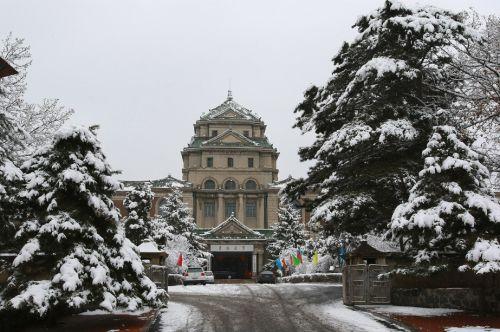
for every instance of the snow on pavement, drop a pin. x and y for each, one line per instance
(179, 317)
(336, 313)
(241, 289)
(329, 311)
(411, 311)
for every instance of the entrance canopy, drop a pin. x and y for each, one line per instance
(237, 250)
(232, 228)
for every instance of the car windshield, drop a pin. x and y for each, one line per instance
(195, 269)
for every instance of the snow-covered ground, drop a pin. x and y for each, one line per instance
(178, 317)
(252, 307)
(411, 311)
(346, 318)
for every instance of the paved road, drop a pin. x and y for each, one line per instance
(250, 308)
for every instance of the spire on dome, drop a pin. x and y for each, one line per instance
(229, 95)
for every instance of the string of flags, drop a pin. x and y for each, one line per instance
(294, 260)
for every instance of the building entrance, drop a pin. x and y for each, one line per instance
(234, 265)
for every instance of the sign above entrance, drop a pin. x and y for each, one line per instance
(231, 247)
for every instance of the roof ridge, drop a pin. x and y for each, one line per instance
(230, 104)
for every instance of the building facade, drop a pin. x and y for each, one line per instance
(230, 181)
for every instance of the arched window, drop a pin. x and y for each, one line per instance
(209, 184)
(250, 185)
(230, 185)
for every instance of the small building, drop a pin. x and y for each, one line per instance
(149, 251)
(374, 250)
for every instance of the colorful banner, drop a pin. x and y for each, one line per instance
(315, 258)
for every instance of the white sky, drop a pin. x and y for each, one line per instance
(146, 70)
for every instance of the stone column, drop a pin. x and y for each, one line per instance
(220, 210)
(260, 212)
(260, 260)
(241, 210)
(254, 264)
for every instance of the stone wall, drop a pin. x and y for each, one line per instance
(473, 299)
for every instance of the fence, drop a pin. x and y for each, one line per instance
(362, 284)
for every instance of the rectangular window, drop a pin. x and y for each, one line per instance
(250, 162)
(230, 162)
(210, 162)
(230, 208)
(209, 209)
(251, 209)
(214, 133)
(246, 133)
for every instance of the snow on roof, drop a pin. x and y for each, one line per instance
(230, 104)
(148, 247)
(381, 244)
(232, 219)
(168, 182)
(281, 183)
(227, 132)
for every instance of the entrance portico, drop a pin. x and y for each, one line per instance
(237, 251)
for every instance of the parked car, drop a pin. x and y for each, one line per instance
(266, 277)
(210, 277)
(194, 275)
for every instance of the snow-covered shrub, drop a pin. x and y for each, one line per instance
(74, 251)
(174, 231)
(288, 232)
(451, 208)
(138, 203)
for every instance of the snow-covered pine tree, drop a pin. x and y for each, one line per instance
(176, 215)
(288, 232)
(138, 204)
(10, 175)
(374, 115)
(75, 254)
(451, 209)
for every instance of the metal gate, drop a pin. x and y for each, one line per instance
(362, 284)
(158, 274)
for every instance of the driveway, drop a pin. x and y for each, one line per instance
(252, 307)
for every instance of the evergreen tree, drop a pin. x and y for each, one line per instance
(74, 239)
(10, 175)
(451, 209)
(375, 114)
(288, 232)
(175, 220)
(138, 204)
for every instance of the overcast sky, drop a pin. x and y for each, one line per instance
(146, 70)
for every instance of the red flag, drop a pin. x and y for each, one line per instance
(283, 263)
(299, 256)
(179, 261)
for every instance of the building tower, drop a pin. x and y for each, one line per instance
(231, 166)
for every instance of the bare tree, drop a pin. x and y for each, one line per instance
(478, 105)
(38, 121)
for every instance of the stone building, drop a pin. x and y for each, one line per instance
(230, 181)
